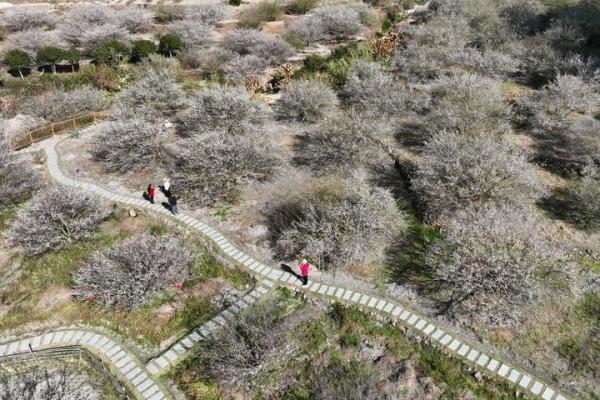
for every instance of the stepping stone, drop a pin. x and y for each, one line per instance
(157, 396)
(178, 348)
(421, 324)
(330, 291)
(152, 368)
(355, 297)
(140, 378)
(58, 336)
(3, 349)
(472, 355)
(113, 351)
(347, 295)
(339, 292)
(548, 393)
(24, 346)
(260, 268)
(381, 304)
(388, 308)
(194, 336)
(446, 339)
(364, 299)
(372, 302)
(314, 287)
(537, 388)
(35, 343)
(162, 362)
(261, 290)
(503, 370)
(133, 373)
(123, 361)
(47, 339)
(483, 360)
(454, 345)
(413, 319)
(560, 397)
(252, 264)
(525, 381)
(405, 314)
(323, 289)
(463, 350)
(12, 348)
(430, 328)
(144, 385)
(493, 365)
(437, 334)
(153, 389)
(397, 311)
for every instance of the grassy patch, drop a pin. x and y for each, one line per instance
(41, 289)
(7, 216)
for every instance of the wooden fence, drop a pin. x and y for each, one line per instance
(56, 128)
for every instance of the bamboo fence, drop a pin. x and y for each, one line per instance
(56, 128)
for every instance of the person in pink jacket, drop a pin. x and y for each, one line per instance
(304, 267)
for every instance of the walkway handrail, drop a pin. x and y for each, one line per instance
(55, 128)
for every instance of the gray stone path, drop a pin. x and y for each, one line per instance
(181, 348)
(457, 347)
(123, 363)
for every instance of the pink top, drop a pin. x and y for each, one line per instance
(304, 268)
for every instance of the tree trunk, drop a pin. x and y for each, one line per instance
(20, 73)
(72, 67)
(54, 69)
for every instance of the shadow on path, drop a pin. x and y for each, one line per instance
(289, 270)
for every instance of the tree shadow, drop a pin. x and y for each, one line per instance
(562, 205)
(396, 179)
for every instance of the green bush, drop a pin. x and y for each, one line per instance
(50, 55)
(169, 44)
(265, 11)
(301, 6)
(17, 60)
(350, 340)
(72, 56)
(111, 53)
(235, 3)
(141, 49)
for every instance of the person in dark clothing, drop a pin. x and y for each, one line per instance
(173, 204)
(151, 192)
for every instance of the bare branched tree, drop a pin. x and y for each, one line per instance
(56, 105)
(272, 50)
(215, 167)
(336, 225)
(489, 263)
(17, 179)
(458, 172)
(242, 349)
(55, 218)
(219, 108)
(47, 384)
(132, 273)
(307, 101)
(22, 18)
(585, 200)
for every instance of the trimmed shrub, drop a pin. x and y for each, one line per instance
(272, 50)
(141, 49)
(216, 167)
(17, 179)
(169, 44)
(458, 172)
(57, 105)
(23, 18)
(50, 56)
(17, 60)
(264, 11)
(487, 263)
(221, 109)
(55, 218)
(131, 145)
(110, 53)
(307, 101)
(131, 274)
(336, 225)
(192, 33)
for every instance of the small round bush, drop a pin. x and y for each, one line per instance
(141, 49)
(306, 100)
(169, 44)
(133, 272)
(264, 11)
(55, 218)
